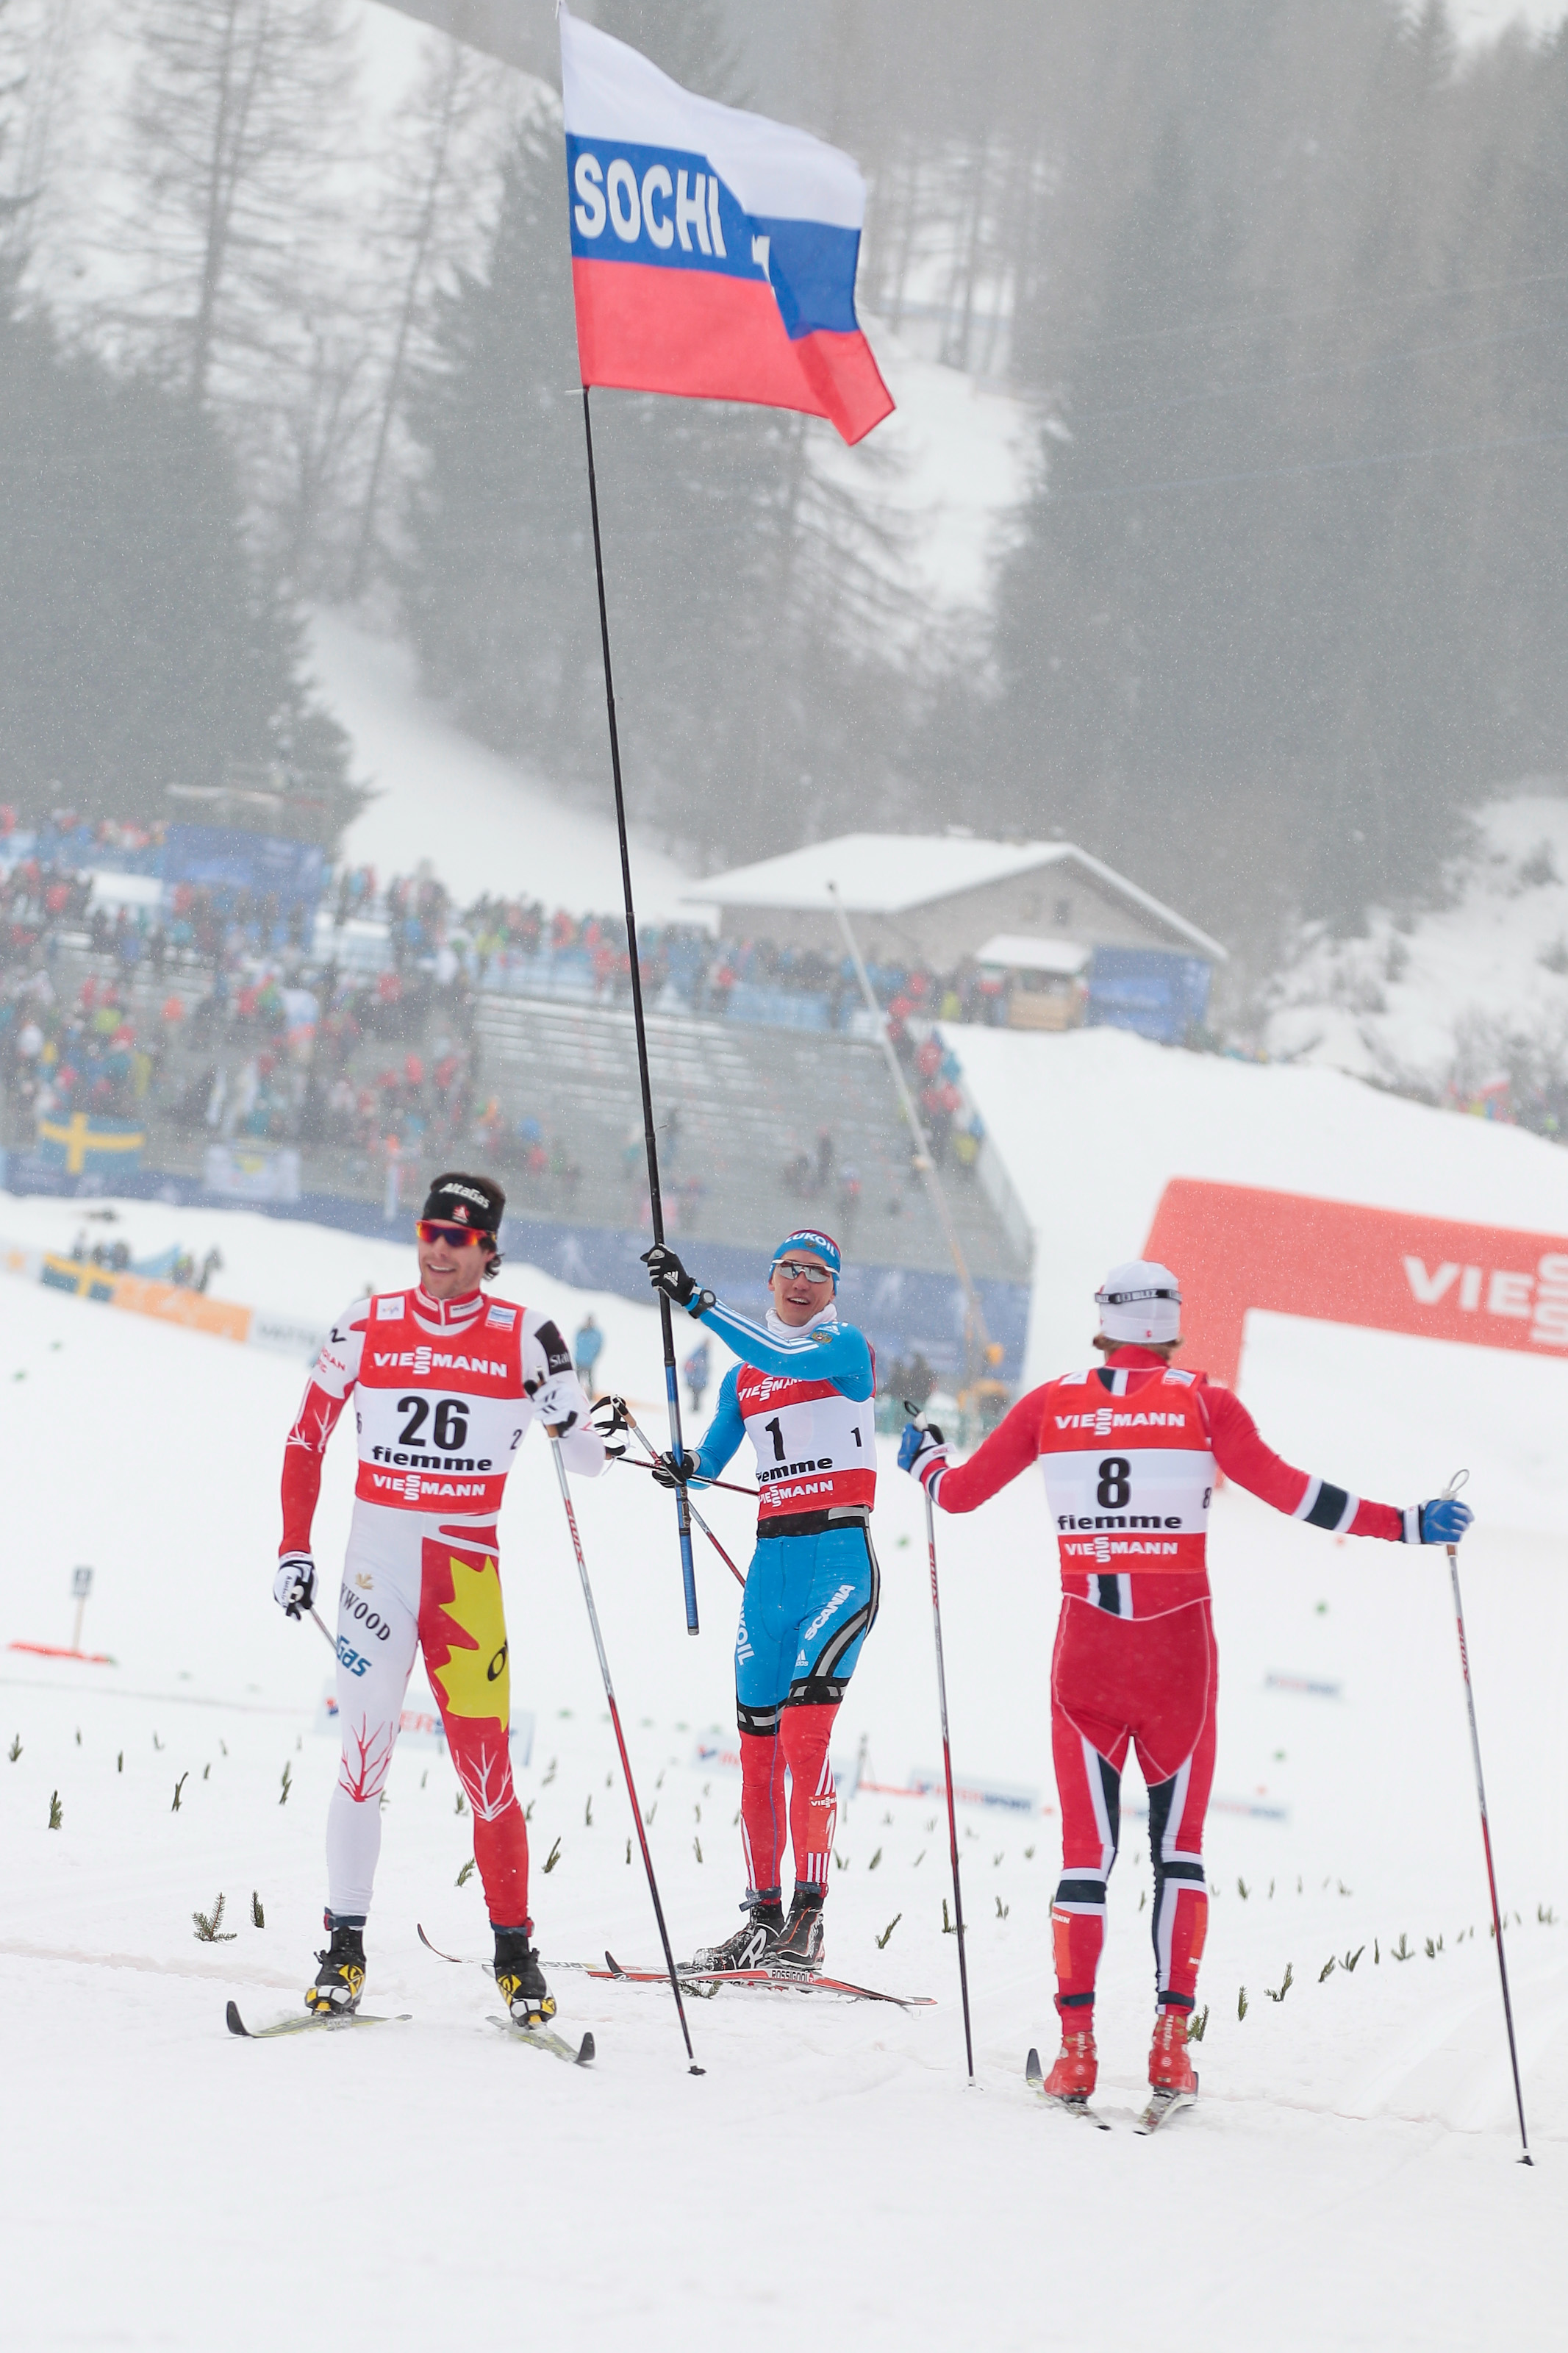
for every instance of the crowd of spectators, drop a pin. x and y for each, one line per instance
(262, 1015)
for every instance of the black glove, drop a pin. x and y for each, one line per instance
(666, 1273)
(609, 1419)
(673, 1471)
(294, 1585)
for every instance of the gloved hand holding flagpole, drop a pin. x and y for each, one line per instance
(713, 256)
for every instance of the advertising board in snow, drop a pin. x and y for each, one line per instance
(1237, 1247)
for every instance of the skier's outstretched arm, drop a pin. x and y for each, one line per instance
(1240, 1452)
(720, 1441)
(836, 1353)
(1012, 1446)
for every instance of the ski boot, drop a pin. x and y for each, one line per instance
(751, 1947)
(798, 1950)
(1170, 2069)
(521, 1980)
(339, 1981)
(1076, 2070)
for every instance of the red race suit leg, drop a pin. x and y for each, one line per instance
(462, 1628)
(804, 1730)
(1153, 1681)
(763, 1808)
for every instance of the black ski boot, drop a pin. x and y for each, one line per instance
(799, 1947)
(521, 1980)
(339, 1981)
(750, 1947)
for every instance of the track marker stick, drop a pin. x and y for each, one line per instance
(655, 1199)
(621, 1745)
(921, 1423)
(1453, 1487)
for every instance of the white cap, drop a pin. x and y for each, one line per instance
(1140, 1301)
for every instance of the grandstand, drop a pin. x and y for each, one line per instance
(761, 1128)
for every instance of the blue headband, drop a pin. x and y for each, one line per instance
(821, 1246)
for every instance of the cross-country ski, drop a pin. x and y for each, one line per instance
(785, 1980)
(543, 2038)
(309, 2023)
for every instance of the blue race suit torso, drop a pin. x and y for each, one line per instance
(805, 1398)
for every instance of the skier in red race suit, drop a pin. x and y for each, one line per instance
(447, 1384)
(1130, 1452)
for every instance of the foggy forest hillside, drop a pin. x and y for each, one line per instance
(1276, 294)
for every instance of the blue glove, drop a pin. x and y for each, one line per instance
(1443, 1522)
(921, 1452)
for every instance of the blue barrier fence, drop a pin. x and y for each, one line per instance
(901, 1309)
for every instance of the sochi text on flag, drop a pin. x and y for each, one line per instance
(713, 252)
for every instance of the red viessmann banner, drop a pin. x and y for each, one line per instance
(1236, 1247)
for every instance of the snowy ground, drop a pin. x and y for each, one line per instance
(1350, 2175)
(522, 833)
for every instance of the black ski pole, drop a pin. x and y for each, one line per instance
(921, 1423)
(655, 1205)
(621, 1745)
(1455, 1483)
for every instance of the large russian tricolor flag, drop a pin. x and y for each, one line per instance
(713, 252)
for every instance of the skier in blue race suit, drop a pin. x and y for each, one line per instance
(805, 1394)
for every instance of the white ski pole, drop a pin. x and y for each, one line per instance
(921, 1423)
(621, 1745)
(1453, 1487)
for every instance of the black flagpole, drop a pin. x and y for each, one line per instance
(655, 1205)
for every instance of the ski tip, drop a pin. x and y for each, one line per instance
(1032, 2070)
(614, 1965)
(233, 2021)
(587, 2054)
(423, 1937)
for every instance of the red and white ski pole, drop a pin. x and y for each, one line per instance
(1453, 1487)
(625, 1419)
(621, 1745)
(921, 1423)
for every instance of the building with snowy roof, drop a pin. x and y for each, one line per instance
(1062, 934)
(939, 899)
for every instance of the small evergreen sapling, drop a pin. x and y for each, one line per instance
(210, 1929)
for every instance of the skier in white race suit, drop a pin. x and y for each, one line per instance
(447, 1384)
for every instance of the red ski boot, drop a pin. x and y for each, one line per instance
(1076, 2069)
(1170, 2069)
